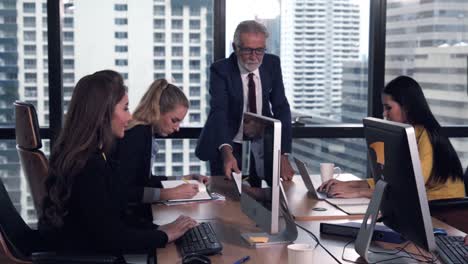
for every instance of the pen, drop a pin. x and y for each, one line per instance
(242, 260)
(185, 180)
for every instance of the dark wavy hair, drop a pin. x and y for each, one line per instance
(409, 95)
(87, 128)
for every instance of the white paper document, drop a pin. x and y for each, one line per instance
(202, 194)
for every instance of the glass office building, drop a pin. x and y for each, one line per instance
(332, 78)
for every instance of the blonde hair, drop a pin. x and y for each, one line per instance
(160, 98)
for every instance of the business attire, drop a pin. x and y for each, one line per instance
(134, 154)
(97, 220)
(227, 91)
(446, 190)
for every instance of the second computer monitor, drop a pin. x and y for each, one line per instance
(394, 158)
(262, 150)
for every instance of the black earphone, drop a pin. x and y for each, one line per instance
(195, 259)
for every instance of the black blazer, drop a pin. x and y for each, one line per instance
(133, 152)
(97, 219)
(227, 104)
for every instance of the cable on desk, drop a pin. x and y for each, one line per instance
(413, 256)
(318, 242)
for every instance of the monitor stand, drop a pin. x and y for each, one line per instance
(285, 236)
(366, 231)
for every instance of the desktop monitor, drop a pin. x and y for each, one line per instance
(263, 200)
(400, 192)
(261, 152)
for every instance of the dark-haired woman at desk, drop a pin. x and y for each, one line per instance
(159, 114)
(404, 102)
(84, 208)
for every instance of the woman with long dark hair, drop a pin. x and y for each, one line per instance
(85, 204)
(404, 102)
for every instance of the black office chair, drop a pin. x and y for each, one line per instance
(452, 211)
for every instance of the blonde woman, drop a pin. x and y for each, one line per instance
(159, 114)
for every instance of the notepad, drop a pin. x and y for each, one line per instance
(202, 194)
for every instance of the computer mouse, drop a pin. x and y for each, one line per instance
(439, 232)
(195, 259)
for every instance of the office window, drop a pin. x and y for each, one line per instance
(194, 64)
(159, 75)
(194, 169)
(194, 11)
(195, 104)
(120, 7)
(177, 144)
(29, 49)
(159, 170)
(177, 157)
(158, 23)
(193, 143)
(177, 24)
(194, 51)
(159, 64)
(177, 170)
(159, 51)
(194, 78)
(194, 38)
(194, 24)
(121, 35)
(29, 7)
(177, 65)
(121, 21)
(178, 77)
(194, 91)
(68, 36)
(29, 21)
(177, 37)
(68, 22)
(30, 63)
(161, 144)
(30, 77)
(177, 51)
(177, 10)
(159, 37)
(194, 118)
(121, 62)
(121, 49)
(68, 64)
(68, 50)
(159, 10)
(29, 36)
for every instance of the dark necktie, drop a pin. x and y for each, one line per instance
(252, 99)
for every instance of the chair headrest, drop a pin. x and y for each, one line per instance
(27, 126)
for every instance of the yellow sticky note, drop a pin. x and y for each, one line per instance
(258, 239)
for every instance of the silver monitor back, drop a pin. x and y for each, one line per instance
(261, 204)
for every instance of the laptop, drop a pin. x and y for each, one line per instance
(308, 181)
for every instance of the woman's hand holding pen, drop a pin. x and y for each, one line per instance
(183, 191)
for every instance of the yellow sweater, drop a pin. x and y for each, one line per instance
(449, 189)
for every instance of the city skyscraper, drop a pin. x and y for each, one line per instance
(317, 37)
(143, 40)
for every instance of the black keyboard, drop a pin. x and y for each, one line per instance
(201, 240)
(451, 249)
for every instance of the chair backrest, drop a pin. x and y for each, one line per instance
(35, 168)
(18, 239)
(27, 126)
(465, 179)
(33, 161)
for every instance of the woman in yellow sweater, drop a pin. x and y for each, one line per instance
(404, 102)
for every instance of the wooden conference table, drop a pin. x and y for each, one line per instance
(229, 222)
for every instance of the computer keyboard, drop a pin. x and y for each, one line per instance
(201, 240)
(451, 249)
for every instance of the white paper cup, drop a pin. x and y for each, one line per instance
(300, 253)
(328, 171)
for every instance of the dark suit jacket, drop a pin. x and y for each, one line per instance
(97, 220)
(227, 104)
(133, 152)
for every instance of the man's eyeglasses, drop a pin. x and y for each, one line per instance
(248, 51)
